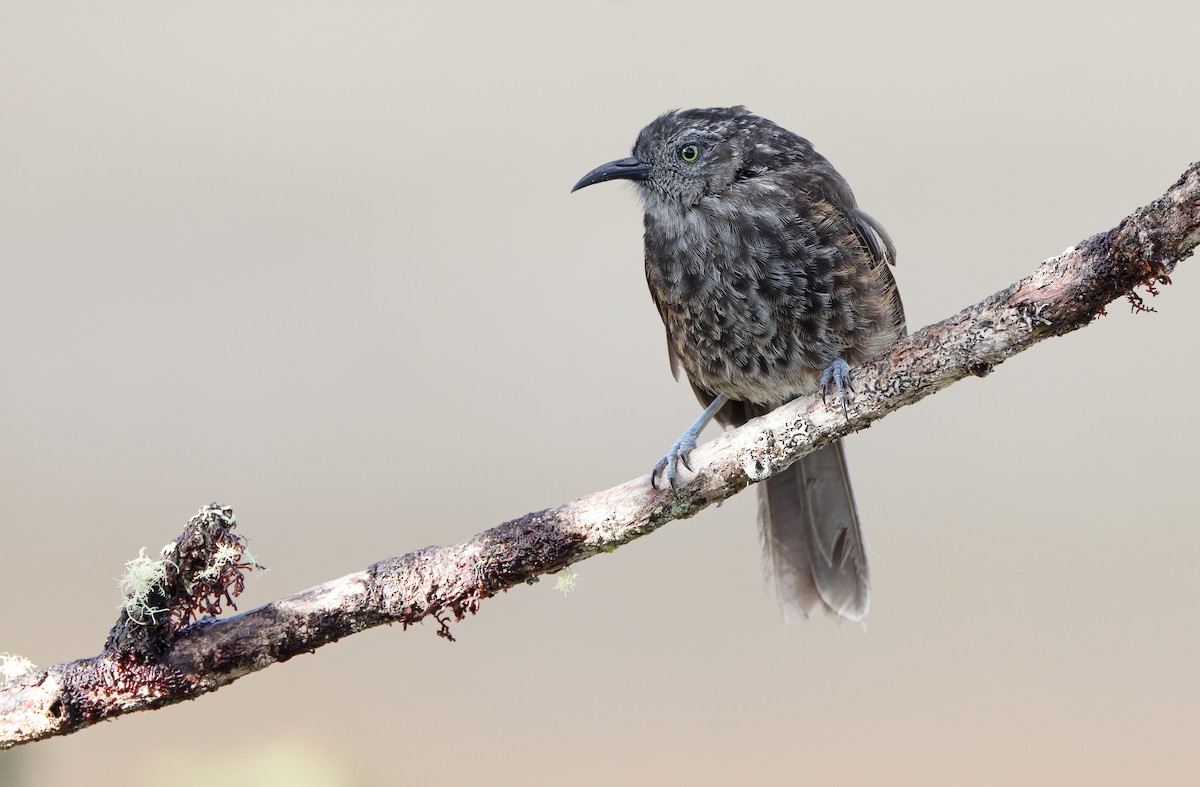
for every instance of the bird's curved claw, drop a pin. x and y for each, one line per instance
(837, 375)
(668, 466)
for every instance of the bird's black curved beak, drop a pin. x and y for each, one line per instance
(623, 168)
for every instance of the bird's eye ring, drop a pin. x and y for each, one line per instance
(689, 153)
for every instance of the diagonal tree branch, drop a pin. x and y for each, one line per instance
(140, 670)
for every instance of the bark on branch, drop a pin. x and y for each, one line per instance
(142, 668)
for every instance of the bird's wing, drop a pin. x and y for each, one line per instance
(880, 251)
(823, 179)
(662, 312)
(873, 237)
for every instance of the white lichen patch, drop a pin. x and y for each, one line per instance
(143, 577)
(223, 514)
(757, 468)
(1033, 314)
(799, 429)
(568, 581)
(251, 561)
(225, 556)
(13, 666)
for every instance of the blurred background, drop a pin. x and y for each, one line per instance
(318, 261)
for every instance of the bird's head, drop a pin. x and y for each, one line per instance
(688, 154)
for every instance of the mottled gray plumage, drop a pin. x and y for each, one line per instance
(767, 276)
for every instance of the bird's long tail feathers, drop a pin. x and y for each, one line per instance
(812, 540)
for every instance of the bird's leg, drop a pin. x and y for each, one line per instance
(837, 375)
(678, 453)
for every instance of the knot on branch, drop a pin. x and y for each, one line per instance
(199, 572)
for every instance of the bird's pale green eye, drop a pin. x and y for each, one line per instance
(689, 153)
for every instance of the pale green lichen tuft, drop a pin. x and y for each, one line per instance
(143, 578)
(568, 580)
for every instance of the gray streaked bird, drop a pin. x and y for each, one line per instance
(771, 282)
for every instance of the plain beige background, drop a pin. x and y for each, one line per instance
(318, 261)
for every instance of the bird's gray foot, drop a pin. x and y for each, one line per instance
(668, 466)
(677, 454)
(837, 378)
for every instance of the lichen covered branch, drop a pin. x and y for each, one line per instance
(160, 653)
